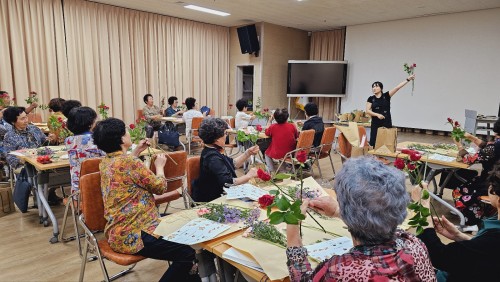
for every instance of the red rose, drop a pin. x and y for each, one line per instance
(13, 99)
(266, 110)
(414, 65)
(415, 157)
(411, 166)
(266, 201)
(457, 124)
(263, 175)
(399, 163)
(408, 151)
(59, 119)
(450, 120)
(132, 126)
(258, 127)
(301, 156)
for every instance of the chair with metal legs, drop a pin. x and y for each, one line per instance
(325, 149)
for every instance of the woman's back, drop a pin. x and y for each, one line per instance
(283, 139)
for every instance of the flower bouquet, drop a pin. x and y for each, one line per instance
(457, 133)
(410, 69)
(103, 110)
(44, 107)
(182, 107)
(264, 114)
(58, 125)
(137, 131)
(32, 98)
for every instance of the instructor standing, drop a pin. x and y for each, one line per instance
(378, 106)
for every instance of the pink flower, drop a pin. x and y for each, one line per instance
(263, 175)
(265, 201)
(203, 211)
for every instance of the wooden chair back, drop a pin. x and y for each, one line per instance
(195, 125)
(305, 141)
(92, 202)
(345, 147)
(327, 141)
(90, 166)
(192, 171)
(139, 113)
(174, 173)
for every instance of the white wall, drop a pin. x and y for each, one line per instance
(458, 66)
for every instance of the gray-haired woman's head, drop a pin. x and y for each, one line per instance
(372, 199)
(212, 129)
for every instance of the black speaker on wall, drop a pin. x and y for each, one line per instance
(249, 42)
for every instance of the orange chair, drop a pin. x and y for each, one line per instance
(192, 173)
(304, 143)
(345, 148)
(193, 135)
(175, 173)
(232, 143)
(139, 114)
(212, 113)
(73, 201)
(325, 148)
(92, 220)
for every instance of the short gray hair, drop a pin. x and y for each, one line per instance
(372, 199)
(212, 129)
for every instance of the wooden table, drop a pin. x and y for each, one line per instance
(436, 167)
(43, 126)
(174, 120)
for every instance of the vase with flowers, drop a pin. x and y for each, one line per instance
(410, 70)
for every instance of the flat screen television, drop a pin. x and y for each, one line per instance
(317, 78)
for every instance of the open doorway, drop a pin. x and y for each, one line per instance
(244, 84)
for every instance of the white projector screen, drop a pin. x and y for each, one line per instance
(458, 66)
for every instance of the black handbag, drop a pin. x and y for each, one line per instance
(22, 191)
(168, 135)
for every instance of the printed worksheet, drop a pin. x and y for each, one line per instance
(197, 231)
(326, 249)
(442, 158)
(244, 191)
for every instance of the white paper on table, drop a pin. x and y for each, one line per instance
(244, 191)
(237, 256)
(197, 231)
(442, 158)
(326, 249)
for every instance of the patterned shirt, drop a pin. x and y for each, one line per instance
(4, 128)
(30, 138)
(149, 112)
(403, 259)
(129, 207)
(80, 147)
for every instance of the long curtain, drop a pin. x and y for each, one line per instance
(117, 55)
(97, 53)
(32, 49)
(327, 46)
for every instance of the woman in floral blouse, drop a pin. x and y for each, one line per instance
(372, 202)
(81, 146)
(129, 206)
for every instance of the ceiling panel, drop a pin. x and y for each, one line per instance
(309, 15)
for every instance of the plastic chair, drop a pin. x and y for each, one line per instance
(325, 148)
(175, 175)
(304, 143)
(345, 148)
(193, 135)
(92, 220)
(192, 173)
(138, 114)
(73, 201)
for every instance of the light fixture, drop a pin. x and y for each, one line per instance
(207, 10)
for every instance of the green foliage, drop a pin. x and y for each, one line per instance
(243, 137)
(419, 220)
(265, 231)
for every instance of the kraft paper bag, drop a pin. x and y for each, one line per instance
(387, 137)
(6, 201)
(359, 151)
(351, 133)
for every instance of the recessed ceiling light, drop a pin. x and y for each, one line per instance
(207, 10)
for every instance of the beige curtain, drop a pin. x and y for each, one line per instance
(32, 49)
(117, 55)
(327, 46)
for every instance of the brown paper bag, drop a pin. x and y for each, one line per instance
(6, 200)
(387, 137)
(359, 151)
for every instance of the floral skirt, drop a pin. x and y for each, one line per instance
(467, 200)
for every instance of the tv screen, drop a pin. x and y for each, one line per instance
(317, 77)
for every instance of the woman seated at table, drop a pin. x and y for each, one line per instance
(81, 122)
(372, 202)
(129, 206)
(151, 112)
(192, 112)
(68, 105)
(467, 195)
(467, 258)
(217, 169)
(283, 137)
(172, 110)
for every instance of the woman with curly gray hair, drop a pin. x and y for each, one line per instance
(217, 169)
(372, 202)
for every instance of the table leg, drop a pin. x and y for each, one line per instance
(42, 194)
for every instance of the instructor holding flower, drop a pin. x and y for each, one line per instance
(378, 106)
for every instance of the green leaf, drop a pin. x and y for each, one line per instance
(413, 206)
(295, 207)
(290, 218)
(276, 217)
(415, 217)
(274, 192)
(281, 176)
(268, 210)
(425, 195)
(283, 204)
(425, 212)
(253, 138)
(413, 222)
(300, 216)
(420, 229)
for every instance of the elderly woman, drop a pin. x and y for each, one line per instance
(129, 206)
(467, 195)
(172, 110)
(68, 105)
(217, 169)
(466, 258)
(151, 112)
(81, 146)
(372, 202)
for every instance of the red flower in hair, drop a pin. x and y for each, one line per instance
(263, 175)
(301, 156)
